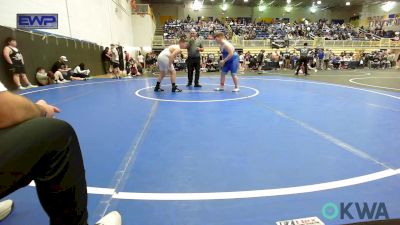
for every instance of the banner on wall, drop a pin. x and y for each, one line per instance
(265, 20)
(391, 20)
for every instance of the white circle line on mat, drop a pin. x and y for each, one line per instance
(374, 86)
(243, 194)
(256, 92)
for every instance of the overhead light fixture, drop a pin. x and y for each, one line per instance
(288, 8)
(313, 9)
(319, 2)
(224, 6)
(288, 1)
(347, 3)
(262, 7)
(388, 6)
(246, 0)
(197, 5)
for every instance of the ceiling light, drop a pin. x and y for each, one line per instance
(197, 5)
(262, 7)
(347, 3)
(288, 1)
(288, 8)
(388, 6)
(319, 2)
(313, 9)
(246, 0)
(224, 7)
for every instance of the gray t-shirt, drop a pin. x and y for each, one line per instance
(304, 52)
(192, 48)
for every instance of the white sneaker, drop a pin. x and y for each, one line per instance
(236, 90)
(113, 218)
(22, 88)
(66, 81)
(5, 208)
(219, 89)
(32, 86)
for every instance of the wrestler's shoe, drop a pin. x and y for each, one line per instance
(176, 89)
(113, 218)
(5, 208)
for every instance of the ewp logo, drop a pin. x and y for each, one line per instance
(37, 21)
(351, 209)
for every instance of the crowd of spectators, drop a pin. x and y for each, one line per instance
(320, 59)
(205, 29)
(306, 30)
(119, 62)
(278, 30)
(60, 72)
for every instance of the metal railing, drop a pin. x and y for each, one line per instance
(384, 43)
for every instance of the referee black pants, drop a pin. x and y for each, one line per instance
(193, 64)
(46, 151)
(303, 61)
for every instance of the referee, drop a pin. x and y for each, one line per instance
(193, 60)
(303, 60)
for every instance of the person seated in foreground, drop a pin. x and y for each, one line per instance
(36, 147)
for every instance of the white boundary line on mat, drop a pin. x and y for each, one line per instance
(252, 193)
(374, 86)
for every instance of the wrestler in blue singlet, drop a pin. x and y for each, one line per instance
(232, 64)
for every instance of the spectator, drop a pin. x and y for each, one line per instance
(320, 62)
(134, 70)
(327, 58)
(60, 69)
(260, 61)
(127, 62)
(115, 62)
(49, 155)
(106, 57)
(16, 64)
(81, 72)
(44, 78)
(140, 59)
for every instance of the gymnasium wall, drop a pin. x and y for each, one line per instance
(98, 21)
(44, 52)
(143, 27)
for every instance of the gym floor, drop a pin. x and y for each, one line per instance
(280, 149)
